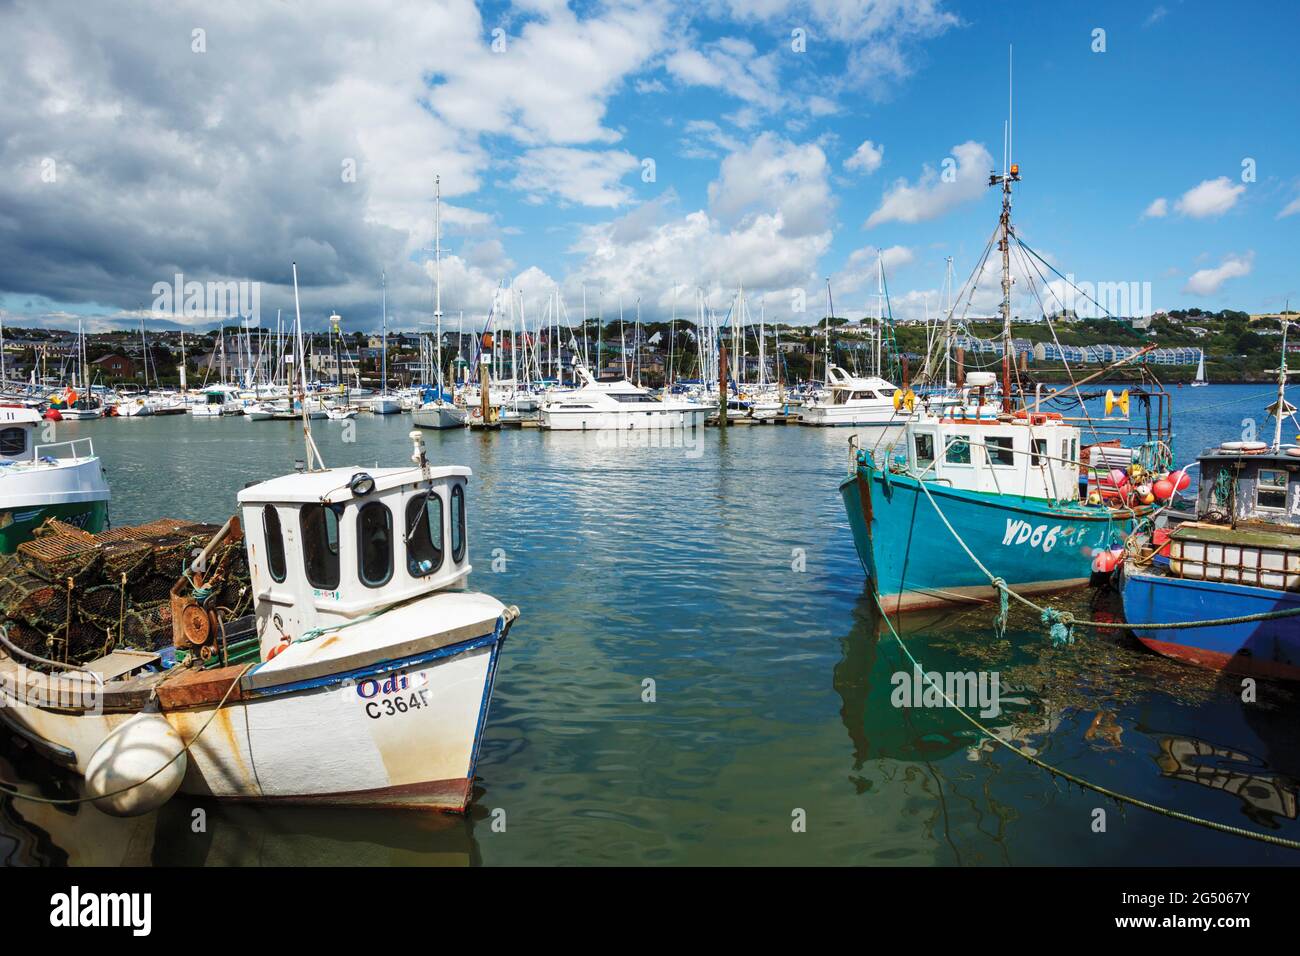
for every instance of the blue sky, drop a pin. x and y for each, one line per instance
(1131, 158)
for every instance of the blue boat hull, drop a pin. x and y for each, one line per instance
(913, 560)
(1265, 648)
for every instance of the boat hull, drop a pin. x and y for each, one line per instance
(398, 734)
(443, 415)
(1263, 648)
(17, 524)
(913, 561)
(692, 416)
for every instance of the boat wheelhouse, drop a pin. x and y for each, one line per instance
(37, 484)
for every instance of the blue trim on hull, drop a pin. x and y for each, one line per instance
(382, 667)
(1263, 645)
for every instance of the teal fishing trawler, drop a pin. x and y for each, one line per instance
(979, 499)
(983, 493)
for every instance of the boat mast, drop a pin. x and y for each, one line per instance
(1282, 408)
(437, 276)
(1010, 174)
(383, 308)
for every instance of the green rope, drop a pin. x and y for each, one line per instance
(1060, 624)
(1066, 775)
(1004, 607)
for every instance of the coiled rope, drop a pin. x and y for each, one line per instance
(1072, 778)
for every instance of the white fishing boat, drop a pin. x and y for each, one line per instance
(851, 400)
(341, 413)
(374, 674)
(36, 485)
(1200, 380)
(619, 404)
(374, 662)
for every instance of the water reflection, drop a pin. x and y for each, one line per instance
(187, 832)
(1102, 708)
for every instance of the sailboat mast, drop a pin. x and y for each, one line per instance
(383, 309)
(437, 275)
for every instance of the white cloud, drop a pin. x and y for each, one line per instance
(866, 157)
(767, 225)
(937, 191)
(1213, 197)
(587, 177)
(1207, 281)
(1158, 209)
(552, 81)
(773, 172)
(731, 65)
(1290, 209)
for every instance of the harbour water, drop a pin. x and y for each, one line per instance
(699, 677)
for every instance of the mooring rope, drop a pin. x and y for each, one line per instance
(1054, 617)
(1072, 778)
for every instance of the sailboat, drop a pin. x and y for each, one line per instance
(385, 403)
(440, 411)
(1200, 372)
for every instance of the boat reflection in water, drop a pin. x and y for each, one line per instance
(1101, 709)
(187, 832)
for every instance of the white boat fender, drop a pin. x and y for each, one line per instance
(138, 767)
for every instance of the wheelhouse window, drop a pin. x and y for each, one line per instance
(1270, 490)
(13, 442)
(864, 394)
(1038, 452)
(374, 544)
(274, 536)
(424, 535)
(958, 452)
(320, 546)
(999, 448)
(923, 450)
(458, 523)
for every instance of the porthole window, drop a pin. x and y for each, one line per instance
(374, 544)
(320, 546)
(458, 523)
(424, 535)
(13, 442)
(274, 543)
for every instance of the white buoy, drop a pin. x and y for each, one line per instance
(127, 757)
